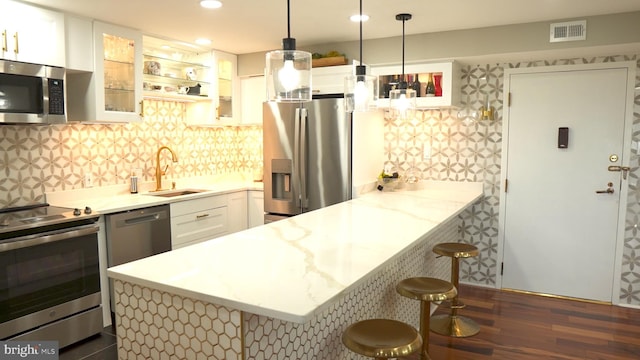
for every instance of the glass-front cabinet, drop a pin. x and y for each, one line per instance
(437, 84)
(224, 93)
(204, 79)
(226, 83)
(118, 73)
(176, 71)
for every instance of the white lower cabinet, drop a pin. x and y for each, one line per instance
(198, 220)
(205, 218)
(237, 206)
(255, 201)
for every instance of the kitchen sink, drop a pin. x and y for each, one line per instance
(172, 193)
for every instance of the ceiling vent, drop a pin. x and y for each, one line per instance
(568, 31)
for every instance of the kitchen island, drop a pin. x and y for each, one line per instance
(117, 198)
(287, 290)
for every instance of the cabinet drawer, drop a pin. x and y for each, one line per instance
(197, 205)
(198, 226)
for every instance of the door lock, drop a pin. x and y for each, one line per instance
(623, 169)
(609, 189)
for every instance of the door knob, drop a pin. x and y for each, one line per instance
(609, 189)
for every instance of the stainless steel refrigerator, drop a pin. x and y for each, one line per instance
(307, 156)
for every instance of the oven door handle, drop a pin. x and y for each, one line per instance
(48, 237)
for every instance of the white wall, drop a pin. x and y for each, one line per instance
(606, 34)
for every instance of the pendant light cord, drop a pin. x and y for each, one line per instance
(404, 18)
(361, 61)
(403, 77)
(288, 43)
(288, 20)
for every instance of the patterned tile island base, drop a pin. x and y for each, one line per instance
(152, 324)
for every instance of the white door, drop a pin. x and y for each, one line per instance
(559, 233)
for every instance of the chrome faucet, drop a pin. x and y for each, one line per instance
(159, 171)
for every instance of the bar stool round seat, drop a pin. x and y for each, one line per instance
(453, 324)
(427, 290)
(381, 338)
(456, 250)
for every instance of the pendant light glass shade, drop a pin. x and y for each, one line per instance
(402, 103)
(360, 89)
(288, 71)
(288, 76)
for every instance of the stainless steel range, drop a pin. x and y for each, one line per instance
(49, 274)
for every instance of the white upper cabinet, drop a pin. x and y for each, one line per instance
(445, 77)
(254, 93)
(225, 92)
(79, 39)
(330, 79)
(113, 92)
(31, 34)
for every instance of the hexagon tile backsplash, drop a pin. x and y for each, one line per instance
(44, 158)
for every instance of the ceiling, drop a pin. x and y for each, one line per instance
(246, 26)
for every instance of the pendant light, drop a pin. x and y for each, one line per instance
(402, 101)
(288, 71)
(360, 90)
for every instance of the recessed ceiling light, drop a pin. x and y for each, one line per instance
(210, 4)
(356, 18)
(203, 41)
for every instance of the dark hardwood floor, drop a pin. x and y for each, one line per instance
(516, 326)
(513, 326)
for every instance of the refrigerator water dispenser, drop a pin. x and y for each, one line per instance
(281, 170)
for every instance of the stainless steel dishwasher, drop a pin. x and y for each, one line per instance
(136, 234)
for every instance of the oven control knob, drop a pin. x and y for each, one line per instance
(77, 212)
(87, 210)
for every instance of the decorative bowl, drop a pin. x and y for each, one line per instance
(389, 184)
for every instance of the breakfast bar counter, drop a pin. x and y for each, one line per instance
(288, 289)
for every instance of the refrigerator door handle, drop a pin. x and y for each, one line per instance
(304, 201)
(296, 161)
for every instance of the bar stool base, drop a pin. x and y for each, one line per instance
(455, 326)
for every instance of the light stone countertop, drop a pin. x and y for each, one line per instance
(116, 198)
(295, 268)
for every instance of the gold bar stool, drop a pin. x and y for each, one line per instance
(453, 324)
(426, 290)
(381, 338)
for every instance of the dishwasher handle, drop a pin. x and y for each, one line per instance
(142, 219)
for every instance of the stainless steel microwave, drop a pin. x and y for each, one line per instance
(31, 93)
